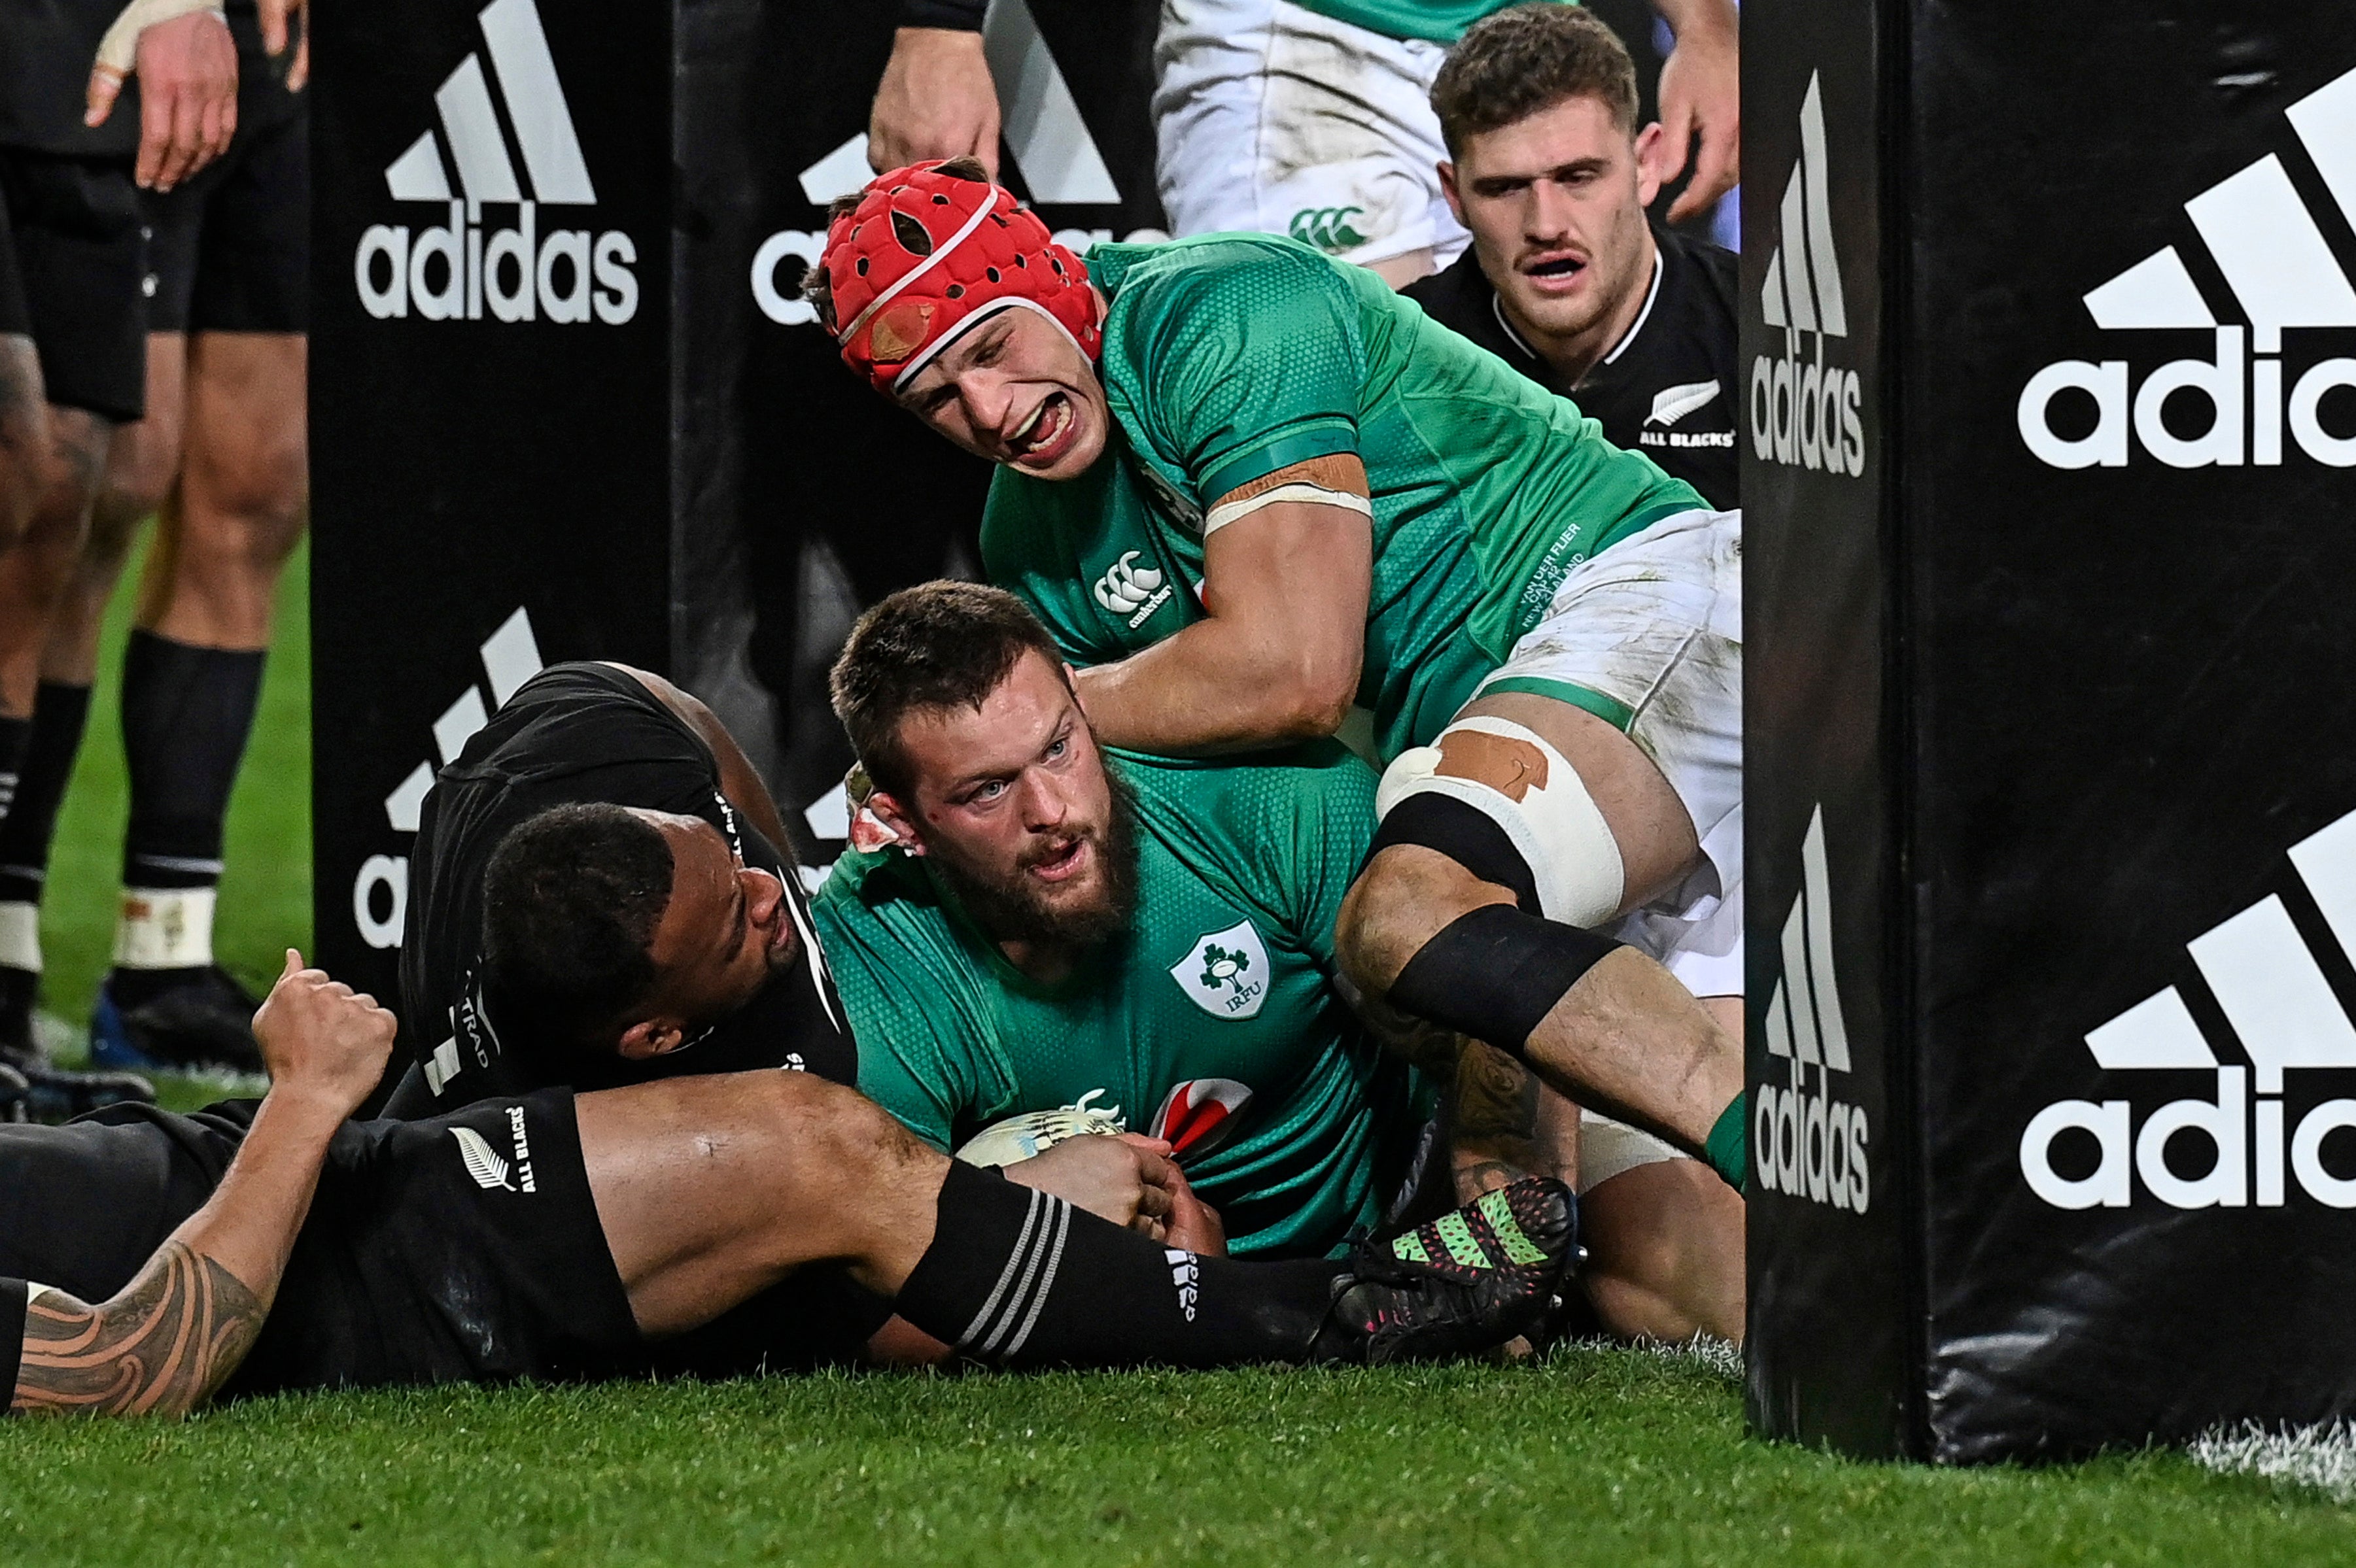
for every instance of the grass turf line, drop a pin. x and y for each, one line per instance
(265, 895)
(1601, 1455)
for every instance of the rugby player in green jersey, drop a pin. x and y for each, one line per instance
(1248, 486)
(1056, 932)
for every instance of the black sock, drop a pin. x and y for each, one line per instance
(15, 734)
(1020, 1279)
(186, 712)
(58, 715)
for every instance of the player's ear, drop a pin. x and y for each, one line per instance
(1648, 163)
(1448, 189)
(650, 1038)
(897, 820)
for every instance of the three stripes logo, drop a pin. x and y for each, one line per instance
(2277, 1001)
(1804, 412)
(1004, 1323)
(2280, 270)
(1809, 1143)
(456, 270)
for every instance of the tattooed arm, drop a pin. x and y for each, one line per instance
(171, 1337)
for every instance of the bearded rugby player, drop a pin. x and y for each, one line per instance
(1248, 486)
(148, 1260)
(1057, 932)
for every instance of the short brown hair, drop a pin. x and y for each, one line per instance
(936, 646)
(1513, 63)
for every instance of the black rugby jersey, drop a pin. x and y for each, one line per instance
(577, 733)
(1669, 389)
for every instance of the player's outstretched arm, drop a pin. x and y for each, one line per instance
(1276, 660)
(936, 100)
(169, 1340)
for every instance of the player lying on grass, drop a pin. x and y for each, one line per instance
(1247, 486)
(149, 1260)
(1106, 939)
(554, 938)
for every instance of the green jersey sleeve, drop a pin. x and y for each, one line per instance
(1186, 362)
(926, 1042)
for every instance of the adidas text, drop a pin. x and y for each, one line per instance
(2281, 276)
(2279, 1005)
(1804, 412)
(1186, 1273)
(1810, 1144)
(534, 269)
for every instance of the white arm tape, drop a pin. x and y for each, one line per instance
(1555, 827)
(119, 51)
(1226, 512)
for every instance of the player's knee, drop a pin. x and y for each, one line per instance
(823, 1134)
(252, 507)
(1406, 896)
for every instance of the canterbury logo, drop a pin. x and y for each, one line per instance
(1328, 227)
(2277, 1001)
(1131, 591)
(1804, 412)
(483, 1163)
(1671, 404)
(1809, 1144)
(2281, 274)
(453, 271)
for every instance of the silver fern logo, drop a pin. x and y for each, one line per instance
(483, 1162)
(1671, 404)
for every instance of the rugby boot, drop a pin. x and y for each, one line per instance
(1468, 1281)
(46, 1093)
(204, 1024)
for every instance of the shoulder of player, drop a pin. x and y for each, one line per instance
(1193, 283)
(1248, 800)
(1704, 278)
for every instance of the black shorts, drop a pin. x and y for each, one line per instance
(229, 250)
(74, 267)
(464, 1247)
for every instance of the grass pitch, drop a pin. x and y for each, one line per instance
(1608, 1456)
(1599, 1456)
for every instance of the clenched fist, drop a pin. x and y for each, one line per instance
(322, 1040)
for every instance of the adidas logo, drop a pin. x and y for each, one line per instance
(1804, 412)
(1186, 1274)
(2279, 1004)
(1041, 123)
(2281, 274)
(1131, 591)
(510, 657)
(455, 270)
(1810, 1144)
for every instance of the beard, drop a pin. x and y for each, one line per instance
(1013, 907)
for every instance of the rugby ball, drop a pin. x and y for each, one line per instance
(1034, 1132)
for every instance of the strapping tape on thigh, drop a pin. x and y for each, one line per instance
(1514, 776)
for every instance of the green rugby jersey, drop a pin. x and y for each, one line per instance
(1222, 984)
(1227, 356)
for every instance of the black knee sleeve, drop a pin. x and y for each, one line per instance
(1465, 835)
(1495, 972)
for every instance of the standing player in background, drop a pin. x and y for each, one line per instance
(220, 460)
(1308, 120)
(1567, 280)
(73, 335)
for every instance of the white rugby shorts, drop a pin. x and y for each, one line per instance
(1649, 633)
(1272, 119)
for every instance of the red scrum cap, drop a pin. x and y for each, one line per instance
(926, 254)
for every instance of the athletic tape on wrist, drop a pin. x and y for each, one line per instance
(118, 51)
(1513, 775)
(1494, 973)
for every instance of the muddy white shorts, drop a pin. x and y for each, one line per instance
(1272, 119)
(1648, 636)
